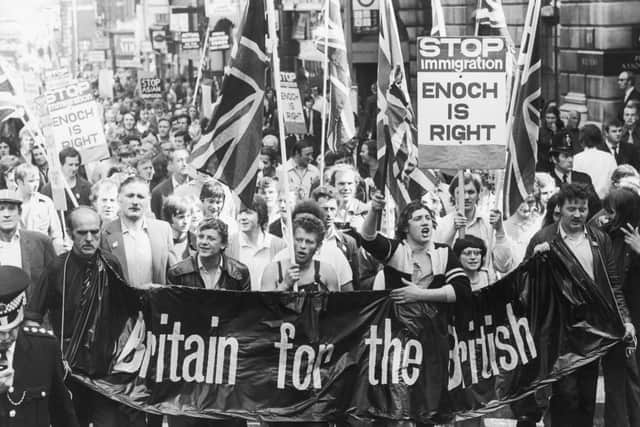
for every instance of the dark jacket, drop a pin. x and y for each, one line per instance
(628, 134)
(39, 393)
(36, 253)
(627, 154)
(158, 194)
(605, 273)
(634, 95)
(576, 178)
(234, 275)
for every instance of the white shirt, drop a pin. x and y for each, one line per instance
(137, 250)
(627, 93)
(599, 166)
(39, 214)
(330, 255)
(10, 253)
(580, 246)
(300, 178)
(210, 277)
(479, 227)
(255, 257)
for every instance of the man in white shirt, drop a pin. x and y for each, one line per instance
(595, 163)
(325, 253)
(299, 170)
(143, 246)
(29, 250)
(252, 246)
(351, 211)
(38, 211)
(473, 223)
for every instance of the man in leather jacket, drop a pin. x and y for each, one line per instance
(210, 268)
(573, 398)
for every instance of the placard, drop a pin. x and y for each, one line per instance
(462, 102)
(159, 40)
(291, 104)
(54, 79)
(149, 85)
(219, 40)
(190, 40)
(76, 121)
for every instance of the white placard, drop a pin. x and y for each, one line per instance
(76, 121)
(462, 102)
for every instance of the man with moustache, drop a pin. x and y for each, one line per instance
(66, 279)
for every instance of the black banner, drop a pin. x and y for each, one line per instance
(317, 357)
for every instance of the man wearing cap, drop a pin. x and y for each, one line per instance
(562, 154)
(71, 272)
(29, 250)
(32, 388)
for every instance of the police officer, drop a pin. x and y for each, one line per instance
(32, 389)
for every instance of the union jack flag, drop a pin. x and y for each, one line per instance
(525, 104)
(8, 100)
(230, 146)
(341, 127)
(396, 130)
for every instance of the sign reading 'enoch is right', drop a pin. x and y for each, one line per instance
(462, 100)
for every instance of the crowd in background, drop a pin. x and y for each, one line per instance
(165, 223)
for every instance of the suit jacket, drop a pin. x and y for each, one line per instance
(627, 154)
(234, 275)
(41, 398)
(160, 237)
(576, 178)
(37, 253)
(158, 194)
(316, 121)
(634, 95)
(605, 273)
(628, 134)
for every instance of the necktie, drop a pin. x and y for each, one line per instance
(565, 178)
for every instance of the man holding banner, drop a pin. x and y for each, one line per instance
(574, 397)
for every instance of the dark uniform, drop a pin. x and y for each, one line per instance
(36, 396)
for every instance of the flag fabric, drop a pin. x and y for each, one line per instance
(490, 21)
(8, 98)
(341, 125)
(396, 130)
(525, 114)
(230, 146)
(438, 28)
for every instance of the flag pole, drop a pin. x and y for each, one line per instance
(528, 34)
(477, 29)
(325, 66)
(205, 47)
(273, 39)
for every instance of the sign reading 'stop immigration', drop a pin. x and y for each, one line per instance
(462, 101)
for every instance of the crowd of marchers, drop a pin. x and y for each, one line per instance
(152, 218)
